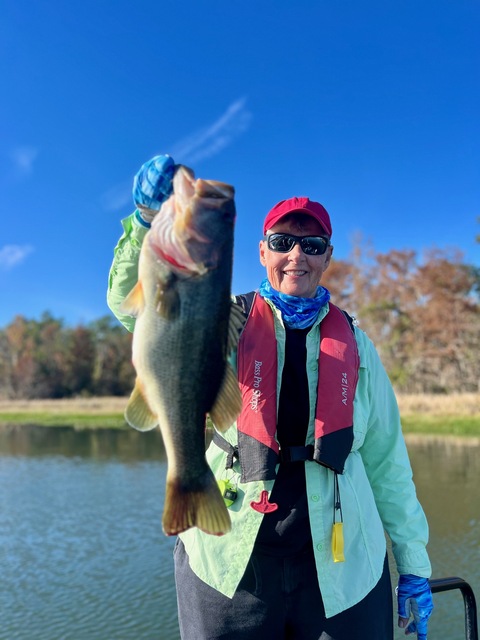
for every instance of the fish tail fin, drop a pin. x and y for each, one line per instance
(204, 509)
(228, 402)
(137, 413)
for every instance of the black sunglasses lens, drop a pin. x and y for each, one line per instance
(314, 245)
(280, 242)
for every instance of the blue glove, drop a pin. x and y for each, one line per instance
(414, 598)
(152, 186)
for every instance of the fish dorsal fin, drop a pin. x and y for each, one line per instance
(134, 303)
(235, 326)
(138, 414)
(228, 402)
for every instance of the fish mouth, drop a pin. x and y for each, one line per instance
(191, 225)
(213, 189)
(194, 193)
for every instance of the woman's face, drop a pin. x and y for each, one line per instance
(295, 273)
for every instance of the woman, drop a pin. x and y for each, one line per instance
(315, 473)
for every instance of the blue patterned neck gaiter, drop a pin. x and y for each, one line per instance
(297, 313)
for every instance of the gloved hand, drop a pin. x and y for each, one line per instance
(152, 186)
(414, 598)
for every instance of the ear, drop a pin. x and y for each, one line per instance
(262, 248)
(328, 256)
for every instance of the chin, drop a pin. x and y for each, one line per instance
(298, 293)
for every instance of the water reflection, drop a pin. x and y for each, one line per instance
(82, 554)
(126, 445)
(446, 474)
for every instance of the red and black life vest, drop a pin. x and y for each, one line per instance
(338, 362)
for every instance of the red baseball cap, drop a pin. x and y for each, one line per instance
(302, 205)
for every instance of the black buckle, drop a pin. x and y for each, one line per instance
(296, 454)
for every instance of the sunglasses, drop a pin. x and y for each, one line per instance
(310, 245)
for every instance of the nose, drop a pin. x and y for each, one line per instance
(296, 253)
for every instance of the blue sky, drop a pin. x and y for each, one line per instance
(371, 108)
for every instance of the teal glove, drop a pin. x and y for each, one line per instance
(152, 186)
(414, 598)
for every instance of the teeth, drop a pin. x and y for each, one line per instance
(295, 273)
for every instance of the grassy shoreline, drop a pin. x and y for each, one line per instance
(454, 415)
(78, 413)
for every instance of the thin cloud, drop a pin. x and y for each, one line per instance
(118, 197)
(204, 143)
(12, 255)
(211, 140)
(23, 159)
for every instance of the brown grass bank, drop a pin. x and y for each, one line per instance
(466, 404)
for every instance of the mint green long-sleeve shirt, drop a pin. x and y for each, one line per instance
(124, 270)
(377, 491)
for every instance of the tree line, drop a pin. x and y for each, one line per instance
(422, 313)
(46, 359)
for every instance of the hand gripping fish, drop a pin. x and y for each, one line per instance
(186, 326)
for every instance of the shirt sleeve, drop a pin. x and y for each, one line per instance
(123, 273)
(388, 468)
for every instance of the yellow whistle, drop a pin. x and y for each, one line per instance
(337, 542)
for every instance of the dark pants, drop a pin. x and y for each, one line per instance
(277, 599)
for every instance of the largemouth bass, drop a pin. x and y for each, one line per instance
(185, 327)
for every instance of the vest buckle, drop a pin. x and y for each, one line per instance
(296, 454)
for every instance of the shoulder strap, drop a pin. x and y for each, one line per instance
(351, 320)
(245, 301)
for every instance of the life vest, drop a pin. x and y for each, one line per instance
(338, 362)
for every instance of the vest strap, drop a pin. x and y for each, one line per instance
(230, 450)
(296, 454)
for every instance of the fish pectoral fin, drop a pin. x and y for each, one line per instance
(204, 508)
(235, 326)
(134, 303)
(138, 414)
(168, 304)
(167, 300)
(228, 402)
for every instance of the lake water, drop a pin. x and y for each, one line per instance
(83, 557)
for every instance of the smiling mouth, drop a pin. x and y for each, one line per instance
(294, 273)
